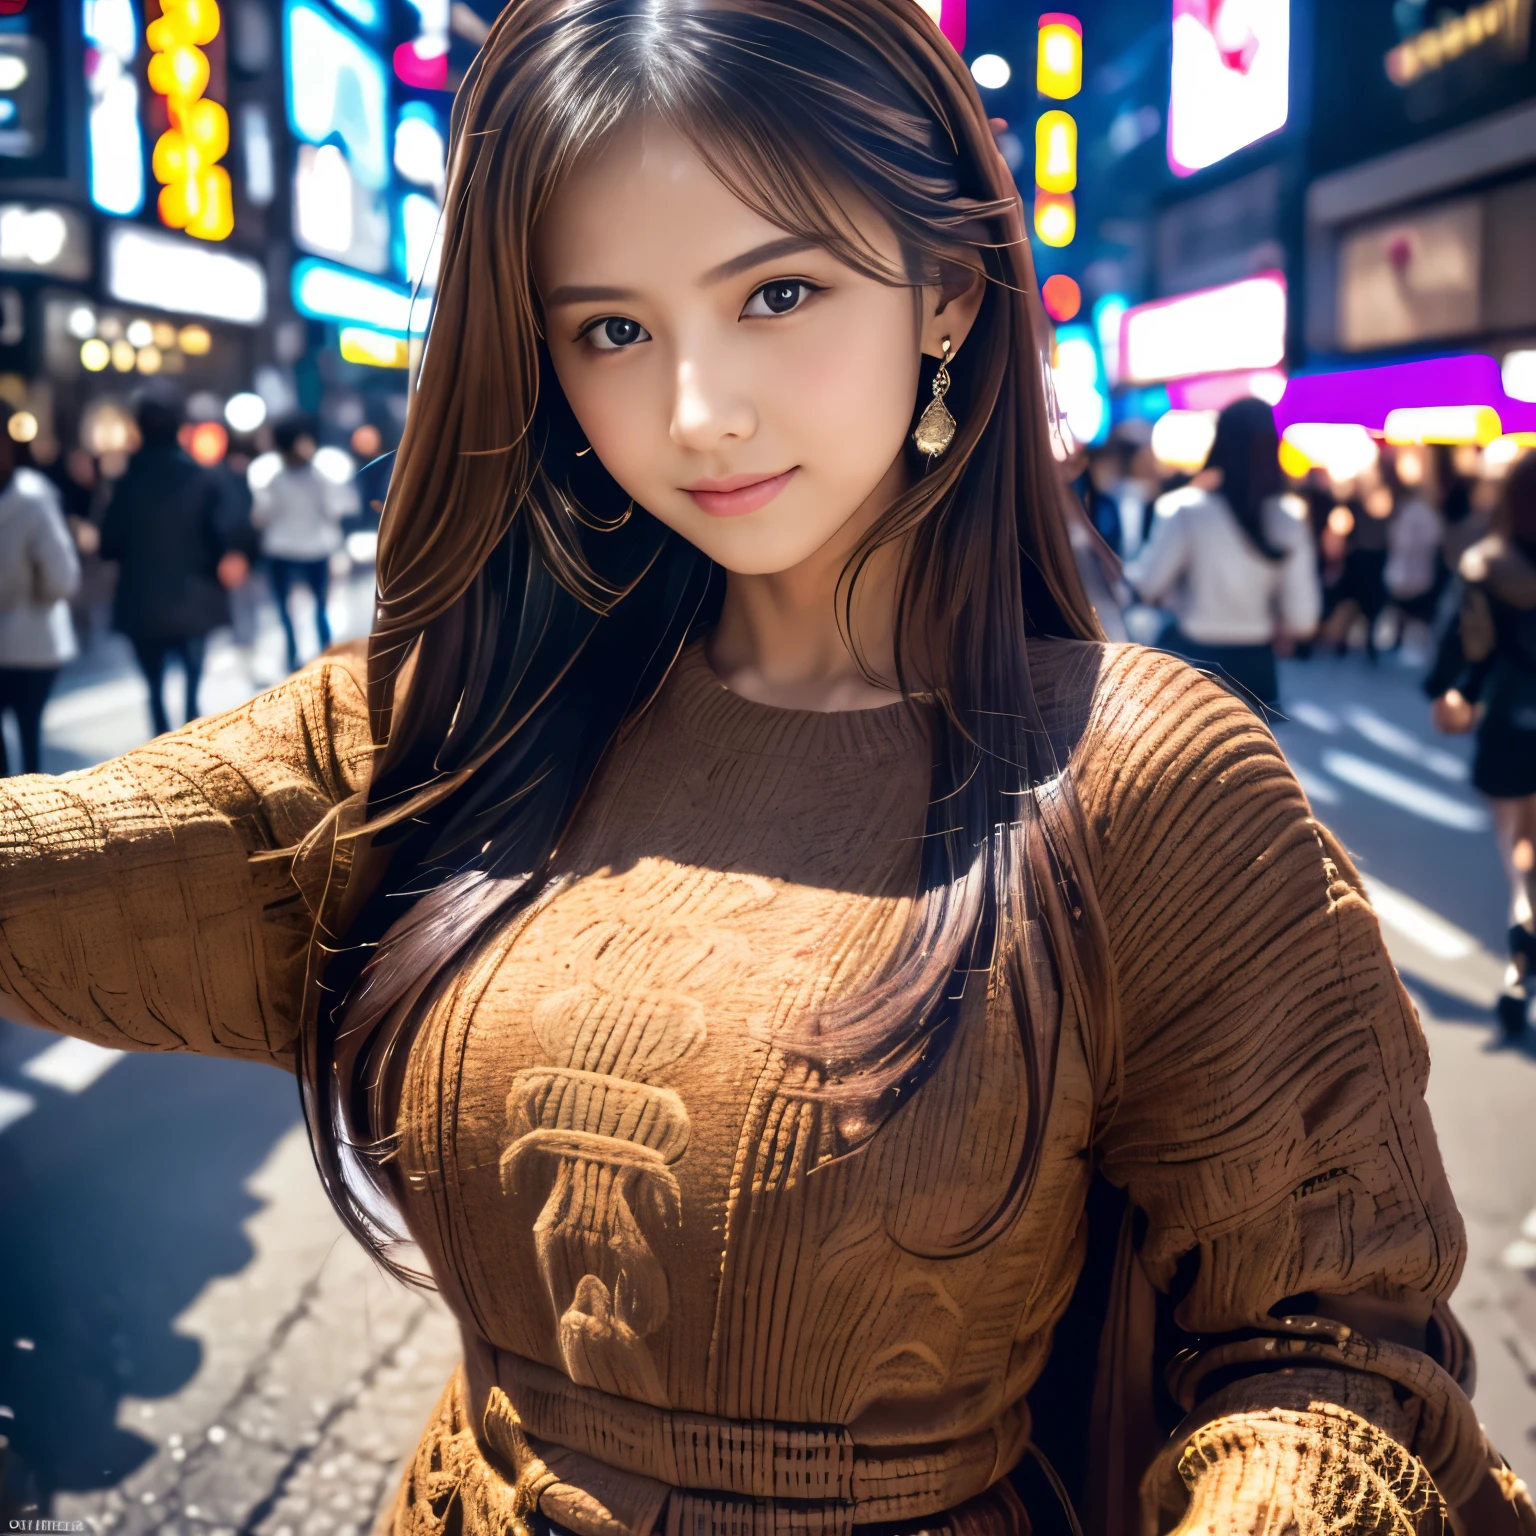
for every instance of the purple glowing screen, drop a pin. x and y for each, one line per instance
(1365, 395)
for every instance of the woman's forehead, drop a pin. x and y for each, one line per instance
(647, 200)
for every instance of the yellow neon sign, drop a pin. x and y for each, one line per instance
(1055, 217)
(1452, 424)
(1502, 22)
(1056, 152)
(195, 192)
(1059, 56)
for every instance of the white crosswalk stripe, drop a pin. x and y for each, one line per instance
(1393, 738)
(1314, 717)
(14, 1106)
(1415, 921)
(1405, 793)
(71, 1065)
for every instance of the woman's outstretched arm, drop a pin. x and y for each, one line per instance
(1272, 1130)
(140, 906)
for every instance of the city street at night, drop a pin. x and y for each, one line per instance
(581, 725)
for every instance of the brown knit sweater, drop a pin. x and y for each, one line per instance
(673, 1317)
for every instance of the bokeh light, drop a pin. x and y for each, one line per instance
(1062, 296)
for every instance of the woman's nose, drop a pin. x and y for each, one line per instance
(708, 407)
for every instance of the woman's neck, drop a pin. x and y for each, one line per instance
(779, 640)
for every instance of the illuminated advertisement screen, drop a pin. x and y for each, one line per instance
(1231, 78)
(115, 146)
(23, 96)
(33, 39)
(1238, 326)
(337, 91)
(338, 108)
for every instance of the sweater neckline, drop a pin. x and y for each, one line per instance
(711, 712)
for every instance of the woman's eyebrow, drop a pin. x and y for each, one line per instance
(570, 294)
(771, 250)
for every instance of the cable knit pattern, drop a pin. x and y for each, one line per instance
(618, 1176)
(1308, 1472)
(133, 913)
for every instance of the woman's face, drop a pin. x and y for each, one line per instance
(746, 388)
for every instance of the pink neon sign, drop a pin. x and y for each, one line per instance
(1231, 78)
(950, 15)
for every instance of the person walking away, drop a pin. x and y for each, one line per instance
(1233, 558)
(299, 515)
(1096, 562)
(163, 527)
(1484, 676)
(1414, 574)
(1099, 488)
(1361, 589)
(1464, 508)
(39, 573)
(242, 546)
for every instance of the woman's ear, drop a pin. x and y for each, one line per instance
(950, 307)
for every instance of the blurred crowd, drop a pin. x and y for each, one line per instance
(164, 545)
(1427, 550)
(1239, 554)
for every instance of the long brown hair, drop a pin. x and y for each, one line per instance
(536, 621)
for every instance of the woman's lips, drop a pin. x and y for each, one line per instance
(738, 495)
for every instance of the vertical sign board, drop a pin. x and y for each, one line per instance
(1230, 83)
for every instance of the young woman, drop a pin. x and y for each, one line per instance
(299, 515)
(1231, 560)
(1484, 676)
(744, 913)
(1415, 573)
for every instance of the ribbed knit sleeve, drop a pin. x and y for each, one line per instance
(132, 911)
(1271, 1122)
(1272, 1114)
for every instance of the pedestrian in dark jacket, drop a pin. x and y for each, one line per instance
(1485, 677)
(164, 528)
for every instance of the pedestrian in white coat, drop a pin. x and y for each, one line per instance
(1233, 559)
(39, 573)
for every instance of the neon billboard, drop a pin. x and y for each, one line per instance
(1231, 78)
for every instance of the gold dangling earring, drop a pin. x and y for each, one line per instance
(936, 426)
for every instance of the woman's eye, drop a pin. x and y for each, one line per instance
(777, 298)
(615, 333)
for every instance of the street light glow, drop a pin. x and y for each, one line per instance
(990, 71)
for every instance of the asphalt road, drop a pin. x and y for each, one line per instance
(188, 1342)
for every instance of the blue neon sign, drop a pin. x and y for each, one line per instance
(338, 91)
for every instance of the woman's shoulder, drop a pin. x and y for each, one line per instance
(1143, 731)
(1184, 502)
(339, 675)
(314, 722)
(1285, 520)
(36, 492)
(1110, 688)
(1500, 567)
